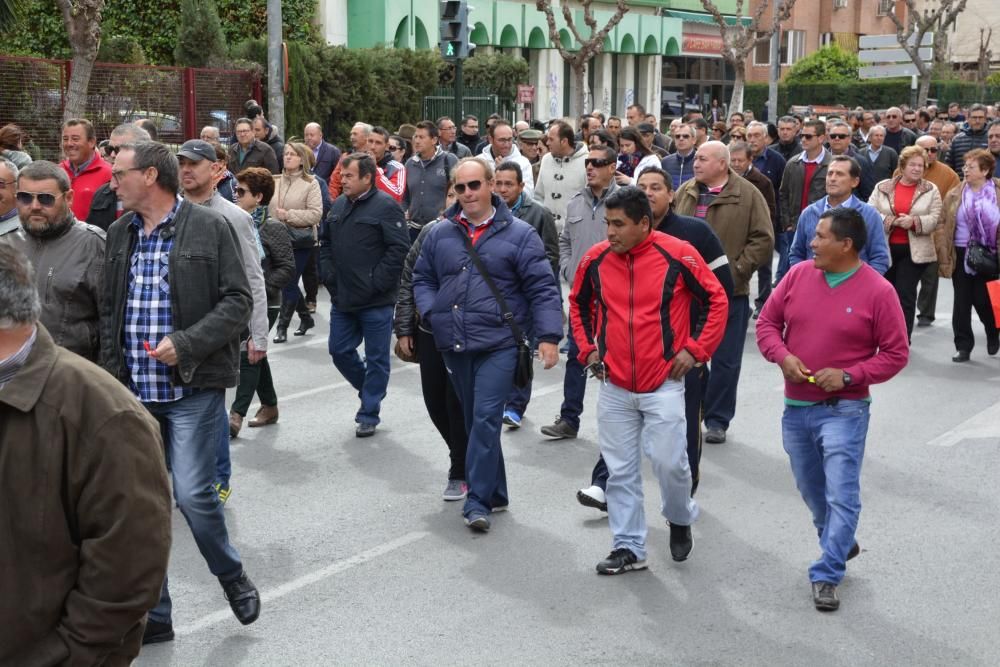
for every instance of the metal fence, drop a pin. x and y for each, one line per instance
(179, 100)
(475, 102)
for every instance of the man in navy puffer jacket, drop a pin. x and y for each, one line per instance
(478, 347)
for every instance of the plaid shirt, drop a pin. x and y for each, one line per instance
(148, 317)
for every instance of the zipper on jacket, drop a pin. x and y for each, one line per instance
(630, 262)
(48, 283)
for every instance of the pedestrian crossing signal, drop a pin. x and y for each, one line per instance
(454, 29)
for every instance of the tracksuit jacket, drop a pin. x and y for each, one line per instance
(634, 309)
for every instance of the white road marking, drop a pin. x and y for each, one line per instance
(330, 387)
(986, 424)
(306, 580)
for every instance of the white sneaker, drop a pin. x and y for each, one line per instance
(593, 496)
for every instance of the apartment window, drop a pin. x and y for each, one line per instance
(762, 53)
(793, 49)
(886, 7)
(826, 39)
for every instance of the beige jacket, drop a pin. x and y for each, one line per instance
(926, 208)
(301, 198)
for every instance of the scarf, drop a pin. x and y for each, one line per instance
(259, 216)
(980, 214)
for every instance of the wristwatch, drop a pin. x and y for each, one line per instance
(847, 379)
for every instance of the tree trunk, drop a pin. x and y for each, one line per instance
(736, 101)
(925, 89)
(76, 92)
(580, 99)
(82, 19)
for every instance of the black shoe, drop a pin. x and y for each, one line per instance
(560, 430)
(825, 596)
(364, 430)
(715, 436)
(243, 598)
(681, 542)
(992, 347)
(157, 633)
(306, 323)
(924, 321)
(961, 356)
(478, 521)
(281, 335)
(855, 550)
(619, 561)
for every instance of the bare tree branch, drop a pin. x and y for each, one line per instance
(937, 19)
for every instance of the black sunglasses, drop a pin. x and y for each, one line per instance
(241, 191)
(112, 150)
(838, 136)
(28, 198)
(395, 148)
(598, 162)
(472, 185)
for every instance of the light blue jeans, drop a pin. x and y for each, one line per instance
(825, 445)
(190, 429)
(628, 425)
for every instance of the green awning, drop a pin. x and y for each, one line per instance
(698, 17)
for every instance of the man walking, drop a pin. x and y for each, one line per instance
(362, 248)
(976, 135)
(828, 363)
(897, 137)
(67, 255)
(884, 159)
(562, 173)
(501, 149)
(428, 173)
(453, 295)
(804, 182)
(359, 144)
(390, 175)
(738, 214)
(85, 516)
(680, 164)
(740, 159)
(176, 299)
(839, 135)
(639, 285)
(86, 169)
(584, 228)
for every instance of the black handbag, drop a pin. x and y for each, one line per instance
(525, 370)
(981, 259)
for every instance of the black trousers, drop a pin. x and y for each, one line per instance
(694, 383)
(927, 298)
(441, 401)
(970, 292)
(310, 275)
(904, 274)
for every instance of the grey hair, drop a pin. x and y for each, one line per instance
(756, 123)
(11, 167)
(19, 301)
(365, 126)
(880, 128)
(740, 147)
(156, 155)
(132, 133)
(43, 170)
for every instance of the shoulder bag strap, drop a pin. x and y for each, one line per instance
(508, 316)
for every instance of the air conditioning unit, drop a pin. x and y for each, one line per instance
(839, 4)
(886, 7)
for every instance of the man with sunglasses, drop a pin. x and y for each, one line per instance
(897, 137)
(9, 222)
(803, 183)
(105, 208)
(945, 178)
(452, 296)
(68, 257)
(680, 163)
(839, 135)
(583, 229)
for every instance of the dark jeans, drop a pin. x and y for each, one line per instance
(783, 243)
(291, 293)
(970, 292)
(255, 378)
(724, 371)
(190, 429)
(693, 382)
(482, 382)
(574, 386)
(442, 402)
(518, 399)
(904, 275)
(927, 297)
(369, 376)
(764, 277)
(310, 275)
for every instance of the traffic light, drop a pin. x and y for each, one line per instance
(454, 29)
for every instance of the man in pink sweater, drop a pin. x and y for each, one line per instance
(835, 327)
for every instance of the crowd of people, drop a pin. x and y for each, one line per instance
(633, 249)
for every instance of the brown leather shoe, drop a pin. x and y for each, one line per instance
(235, 424)
(268, 414)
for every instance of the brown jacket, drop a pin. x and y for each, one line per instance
(739, 215)
(926, 208)
(84, 514)
(949, 219)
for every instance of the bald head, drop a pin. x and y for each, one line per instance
(929, 144)
(313, 134)
(711, 163)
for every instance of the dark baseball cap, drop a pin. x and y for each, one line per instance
(197, 150)
(645, 128)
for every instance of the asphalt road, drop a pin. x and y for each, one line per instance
(360, 562)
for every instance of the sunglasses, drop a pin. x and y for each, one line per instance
(395, 148)
(839, 136)
(808, 136)
(240, 192)
(598, 162)
(932, 150)
(686, 136)
(112, 150)
(473, 186)
(28, 198)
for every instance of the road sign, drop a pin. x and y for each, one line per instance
(891, 41)
(893, 55)
(887, 71)
(525, 94)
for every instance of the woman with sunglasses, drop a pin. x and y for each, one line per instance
(254, 190)
(634, 157)
(298, 203)
(399, 148)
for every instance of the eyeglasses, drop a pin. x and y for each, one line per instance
(839, 136)
(682, 136)
(116, 176)
(808, 136)
(473, 186)
(932, 150)
(598, 162)
(46, 199)
(240, 191)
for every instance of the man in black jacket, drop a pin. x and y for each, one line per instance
(176, 301)
(105, 207)
(363, 244)
(264, 131)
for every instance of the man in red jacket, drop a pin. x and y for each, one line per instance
(86, 168)
(631, 314)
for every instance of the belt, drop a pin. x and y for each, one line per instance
(832, 401)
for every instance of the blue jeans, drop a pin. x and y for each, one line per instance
(223, 462)
(482, 381)
(370, 376)
(630, 424)
(783, 243)
(291, 293)
(724, 372)
(190, 429)
(574, 386)
(825, 445)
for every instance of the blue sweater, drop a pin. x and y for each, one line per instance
(876, 250)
